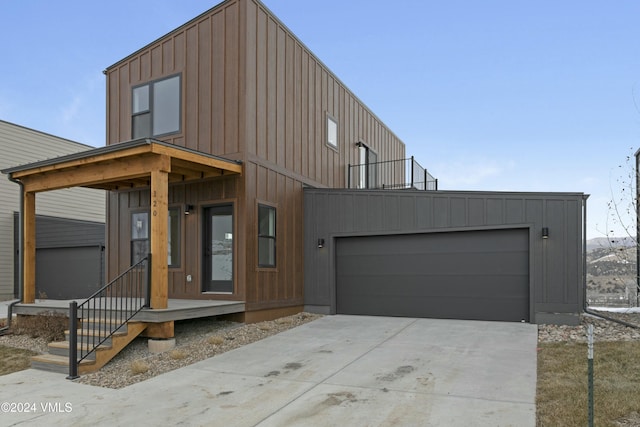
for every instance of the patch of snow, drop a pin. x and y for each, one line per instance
(617, 309)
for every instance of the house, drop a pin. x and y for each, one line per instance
(215, 129)
(246, 169)
(70, 222)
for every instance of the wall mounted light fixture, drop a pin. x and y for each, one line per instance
(545, 232)
(188, 209)
(320, 243)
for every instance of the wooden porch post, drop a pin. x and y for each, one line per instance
(29, 241)
(159, 238)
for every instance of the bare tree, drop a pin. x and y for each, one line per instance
(623, 215)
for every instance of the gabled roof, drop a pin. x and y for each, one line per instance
(121, 166)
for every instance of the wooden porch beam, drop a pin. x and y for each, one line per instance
(90, 175)
(29, 241)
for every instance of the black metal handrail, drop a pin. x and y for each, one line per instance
(391, 174)
(107, 310)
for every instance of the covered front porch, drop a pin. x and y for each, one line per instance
(143, 164)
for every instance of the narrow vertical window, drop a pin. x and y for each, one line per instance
(173, 257)
(266, 236)
(141, 119)
(139, 236)
(332, 132)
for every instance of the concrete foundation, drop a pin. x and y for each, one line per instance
(160, 346)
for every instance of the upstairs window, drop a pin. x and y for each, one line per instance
(266, 236)
(332, 132)
(156, 108)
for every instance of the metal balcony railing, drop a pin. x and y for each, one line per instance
(391, 174)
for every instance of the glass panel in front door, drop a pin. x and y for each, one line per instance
(218, 252)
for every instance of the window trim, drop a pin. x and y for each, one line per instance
(273, 238)
(178, 258)
(331, 119)
(147, 239)
(150, 106)
(132, 240)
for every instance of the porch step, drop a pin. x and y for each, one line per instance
(92, 336)
(102, 325)
(58, 358)
(61, 348)
(56, 363)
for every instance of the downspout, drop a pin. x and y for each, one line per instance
(584, 271)
(5, 329)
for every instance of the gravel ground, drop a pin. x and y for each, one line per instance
(200, 339)
(603, 330)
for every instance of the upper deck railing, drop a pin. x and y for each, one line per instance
(391, 174)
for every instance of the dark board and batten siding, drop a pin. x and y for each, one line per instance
(555, 264)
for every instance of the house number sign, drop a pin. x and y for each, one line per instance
(155, 204)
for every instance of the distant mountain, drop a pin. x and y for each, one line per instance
(610, 242)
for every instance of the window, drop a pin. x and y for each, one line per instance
(173, 258)
(266, 236)
(140, 237)
(332, 132)
(156, 108)
(368, 167)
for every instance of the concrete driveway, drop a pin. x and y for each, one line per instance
(337, 370)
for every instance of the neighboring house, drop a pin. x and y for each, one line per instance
(70, 221)
(217, 130)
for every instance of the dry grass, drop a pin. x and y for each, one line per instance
(562, 393)
(215, 340)
(264, 326)
(14, 359)
(139, 367)
(49, 325)
(177, 354)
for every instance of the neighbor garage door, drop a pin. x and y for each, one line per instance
(480, 275)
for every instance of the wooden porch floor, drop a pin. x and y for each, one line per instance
(178, 309)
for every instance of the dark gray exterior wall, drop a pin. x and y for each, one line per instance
(555, 266)
(69, 257)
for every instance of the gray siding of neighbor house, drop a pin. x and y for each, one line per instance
(555, 264)
(69, 257)
(20, 145)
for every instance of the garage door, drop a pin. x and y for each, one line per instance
(481, 275)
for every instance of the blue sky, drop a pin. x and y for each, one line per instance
(498, 95)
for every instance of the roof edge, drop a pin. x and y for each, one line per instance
(110, 149)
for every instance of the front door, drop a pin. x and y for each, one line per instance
(218, 249)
